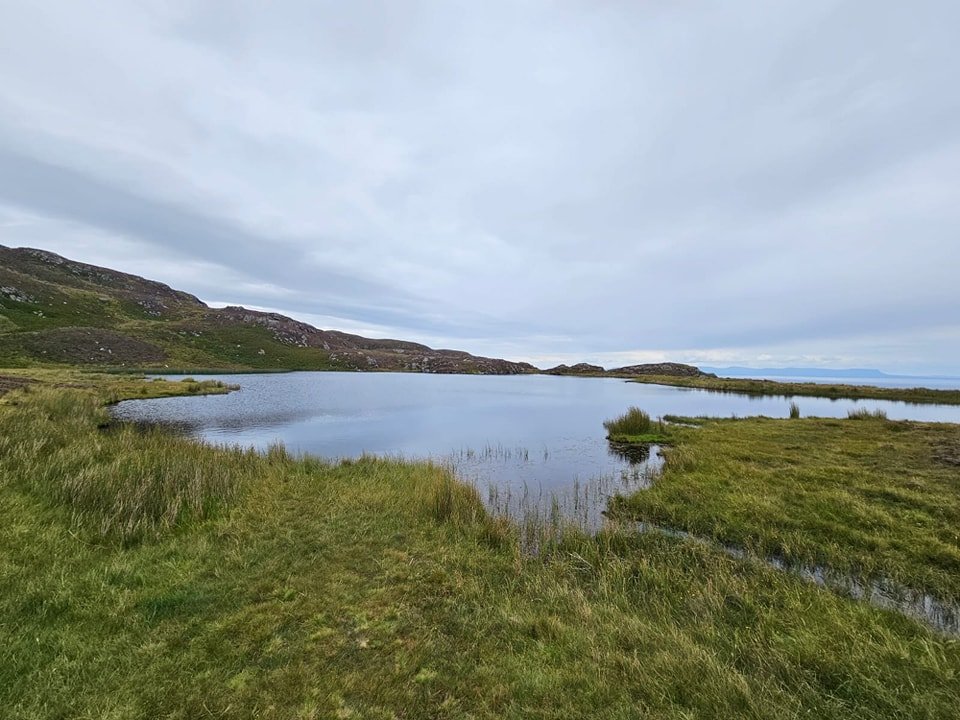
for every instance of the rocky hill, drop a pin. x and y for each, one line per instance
(668, 369)
(578, 369)
(660, 369)
(58, 311)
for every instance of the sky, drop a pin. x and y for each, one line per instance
(721, 183)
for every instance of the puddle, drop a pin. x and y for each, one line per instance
(882, 593)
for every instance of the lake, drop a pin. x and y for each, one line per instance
(529, 443)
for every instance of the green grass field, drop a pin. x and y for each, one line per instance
(145, 576)
(866, 495)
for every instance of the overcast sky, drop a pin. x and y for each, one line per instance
(765, 183)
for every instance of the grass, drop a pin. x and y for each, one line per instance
(869, 496)
(295, 588)
(635, 426)
(865, 414)
(790, 389)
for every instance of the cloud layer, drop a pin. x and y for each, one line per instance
(745, 182)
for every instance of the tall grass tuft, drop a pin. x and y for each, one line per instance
(633, 422)
(115, 480)
(865, 414)
(794, 411)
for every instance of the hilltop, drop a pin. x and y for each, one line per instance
(660, 370)
(54, 310)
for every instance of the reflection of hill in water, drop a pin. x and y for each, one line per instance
(535, 438)
(194, 420)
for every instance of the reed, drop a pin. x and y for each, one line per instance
(866, 414)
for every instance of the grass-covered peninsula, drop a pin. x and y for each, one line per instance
(866, 495)
(745, 386)
(143, 575)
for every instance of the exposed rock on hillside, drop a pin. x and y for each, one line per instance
(154, 297)
(578, 369)
(360, 353)
(671, 369)
(53, 309)
(668, 368)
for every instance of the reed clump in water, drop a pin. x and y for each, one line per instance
(635, 426)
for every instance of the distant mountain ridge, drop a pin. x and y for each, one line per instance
(56, 310)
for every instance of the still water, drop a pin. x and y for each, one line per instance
(525, 441)
(533, 445)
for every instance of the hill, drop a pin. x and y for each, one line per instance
(60, 312)
(660, 370)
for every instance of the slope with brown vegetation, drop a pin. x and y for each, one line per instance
(57, 311)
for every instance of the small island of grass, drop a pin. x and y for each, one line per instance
(635, 427)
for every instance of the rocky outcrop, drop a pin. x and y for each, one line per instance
(285, 330)
(153, 298)
(429, 361)
(578, 369)
(12, 293)
(360, 353)
(667, 368)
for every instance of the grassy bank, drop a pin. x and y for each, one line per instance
(863, 494)
(142, 575)
(789, 389)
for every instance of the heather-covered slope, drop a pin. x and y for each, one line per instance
(57, 311)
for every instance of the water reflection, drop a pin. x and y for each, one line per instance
(634, 454)
(520, 482)
(530, 436)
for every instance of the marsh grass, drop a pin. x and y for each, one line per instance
(859, 496)
(794, 411)
(866, 414)
(122, 484)
(633, 422)
(744, 386)
(635, 426)
(297, 588)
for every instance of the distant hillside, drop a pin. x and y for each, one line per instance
(668, 369)
(57, 311)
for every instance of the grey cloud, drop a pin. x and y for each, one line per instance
(571, 178)
(65, 193)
